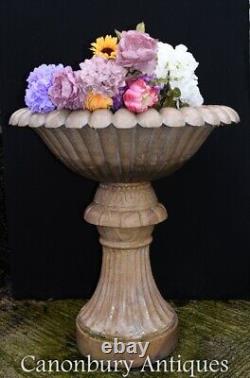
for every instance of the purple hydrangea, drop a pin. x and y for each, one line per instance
(118, 99)
(39, 81)
(102, 75)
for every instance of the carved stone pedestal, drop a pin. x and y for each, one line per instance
(126, 304)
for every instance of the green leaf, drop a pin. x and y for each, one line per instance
(169, 102)
(160, 81)
(176, 92)
(118, 34)
(140, 27)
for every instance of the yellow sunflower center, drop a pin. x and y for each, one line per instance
(107, 50)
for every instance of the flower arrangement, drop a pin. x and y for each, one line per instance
(131, 70)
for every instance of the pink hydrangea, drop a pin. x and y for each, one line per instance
(102, 75)
(138, 51)
(66, 90)
(140, 96)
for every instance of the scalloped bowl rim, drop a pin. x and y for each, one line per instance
(205, 115)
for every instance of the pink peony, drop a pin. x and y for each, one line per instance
(66, 91)
(138, 51)
(140, 96)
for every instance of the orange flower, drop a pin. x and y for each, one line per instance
(97, 101)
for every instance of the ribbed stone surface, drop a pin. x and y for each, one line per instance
(124, 155)
(111, 310)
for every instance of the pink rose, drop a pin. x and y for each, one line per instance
(138, 51)
(140, 96)
(66, 91)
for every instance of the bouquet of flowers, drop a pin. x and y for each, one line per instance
(130, 70)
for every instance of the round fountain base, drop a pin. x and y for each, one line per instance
(159, 345)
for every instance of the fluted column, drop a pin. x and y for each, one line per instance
(126, 304)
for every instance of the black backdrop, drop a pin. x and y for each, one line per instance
(203, 249)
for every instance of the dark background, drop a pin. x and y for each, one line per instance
(203, 249)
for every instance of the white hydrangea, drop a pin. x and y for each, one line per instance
(179, 65)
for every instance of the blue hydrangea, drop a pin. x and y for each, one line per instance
(39, 81)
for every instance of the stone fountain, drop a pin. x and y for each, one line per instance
(125, 152)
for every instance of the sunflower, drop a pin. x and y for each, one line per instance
(105, 47)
